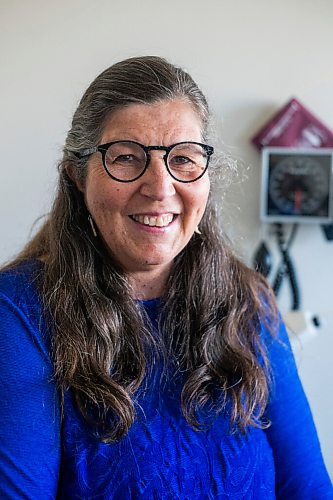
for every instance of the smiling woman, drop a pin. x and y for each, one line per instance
(146, 223)
(139, 357)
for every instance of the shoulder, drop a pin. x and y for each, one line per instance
(275, 337)
(275, 340)
(20, 283)
(19, 294)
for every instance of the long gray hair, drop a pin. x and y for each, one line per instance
(101, 344)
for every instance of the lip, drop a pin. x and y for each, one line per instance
(154, 214)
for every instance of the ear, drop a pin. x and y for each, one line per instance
(70, 171)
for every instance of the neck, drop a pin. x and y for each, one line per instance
(150, 284)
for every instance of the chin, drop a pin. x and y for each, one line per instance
(154, 262)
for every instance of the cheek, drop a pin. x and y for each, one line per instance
(100, 193)
(97, 203)
(197, 200)
(102, 200)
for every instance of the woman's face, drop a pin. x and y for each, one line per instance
(125, 213)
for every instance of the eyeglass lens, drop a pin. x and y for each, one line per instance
(126, 161)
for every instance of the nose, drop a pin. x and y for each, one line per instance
(157, 183)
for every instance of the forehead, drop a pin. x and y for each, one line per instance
(164, 122)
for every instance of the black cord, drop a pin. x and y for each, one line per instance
(286, 268)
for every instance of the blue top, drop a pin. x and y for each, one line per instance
(162, 456)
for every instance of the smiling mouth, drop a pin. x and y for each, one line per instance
(154, 220)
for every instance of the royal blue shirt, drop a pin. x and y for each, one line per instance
(161, 456)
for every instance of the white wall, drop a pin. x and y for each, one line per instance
(249, 58)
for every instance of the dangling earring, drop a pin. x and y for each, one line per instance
(197, 230)
(92, 225)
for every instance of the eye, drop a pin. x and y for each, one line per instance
(124, 161)
(180, 160)
(125, 154)
(125, 158)
(187, 157)
(182, 163)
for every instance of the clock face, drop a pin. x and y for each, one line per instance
(298, 185)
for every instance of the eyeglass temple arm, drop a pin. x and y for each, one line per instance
(85, 152)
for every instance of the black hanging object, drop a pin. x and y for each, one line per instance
(328, 231)
(262, 260)
(286, 268)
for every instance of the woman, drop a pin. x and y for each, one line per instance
(140, 357)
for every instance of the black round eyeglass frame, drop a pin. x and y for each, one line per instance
(102, 148)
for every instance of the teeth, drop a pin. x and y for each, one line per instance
(159, 221)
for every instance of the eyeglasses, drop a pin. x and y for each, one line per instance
(126, 161)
